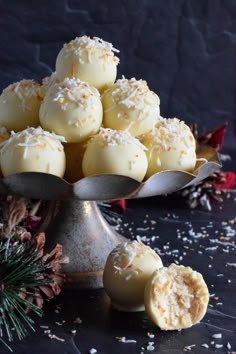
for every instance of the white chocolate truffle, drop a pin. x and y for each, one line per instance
(176, 297)
(89, 59)
(73, 109)
(33, 150)
(19, 105)
(115, 152)
(47, 83)
(127, 270)
(130, 105)
(170, 146)
(74, 155)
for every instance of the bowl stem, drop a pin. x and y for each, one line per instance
(87, 239)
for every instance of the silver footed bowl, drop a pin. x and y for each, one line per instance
(44, 186)
(74, 220)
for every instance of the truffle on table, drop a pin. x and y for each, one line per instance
(176, 297)
(127, 270)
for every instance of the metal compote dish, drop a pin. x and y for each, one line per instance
(79, 226)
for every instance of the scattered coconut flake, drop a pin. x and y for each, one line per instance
(150, 346)
(92, 351)
(230, 265)
(218, 346)
(189, 347)
(204, 345)
(217, 335)
(124, 340)
(53, 336)
(77, 320)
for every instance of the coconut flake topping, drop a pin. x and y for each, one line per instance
(168, 131)
(73, 91)
(24, 88)
(110, 137)
(33, 137)
(79, 45)
(124, 254)
(133, 93)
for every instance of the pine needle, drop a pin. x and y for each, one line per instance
(22, 271)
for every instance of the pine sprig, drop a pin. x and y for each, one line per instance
(21, 269)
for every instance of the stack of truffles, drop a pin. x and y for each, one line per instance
(81, 122)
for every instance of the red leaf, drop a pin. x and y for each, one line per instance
(32, 221)
(214, 138)
(230, 181)
(118, 206)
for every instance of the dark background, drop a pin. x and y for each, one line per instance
(185, 49)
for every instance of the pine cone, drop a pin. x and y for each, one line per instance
(202, 193)
(27, 276)
(56, 279)
(16, 212)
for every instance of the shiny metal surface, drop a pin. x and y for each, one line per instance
(107, 187)
(87, 239)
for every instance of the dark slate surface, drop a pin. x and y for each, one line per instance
(185, 49)
(206, 243)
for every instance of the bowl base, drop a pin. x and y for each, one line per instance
(87, 239)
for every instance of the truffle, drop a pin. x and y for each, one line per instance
(170, 146)
(130, 105)
(72, 108)
(127, 270)
(33, 150)
(115, 152)
(19, 105)
(47, 83)
(176, 297)
(89, 59)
